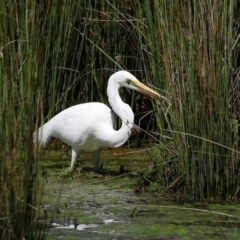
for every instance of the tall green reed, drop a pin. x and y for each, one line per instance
(19, 76)
(198, 44)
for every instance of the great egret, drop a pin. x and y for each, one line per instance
(89, 126)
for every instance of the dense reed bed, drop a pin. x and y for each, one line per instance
(57, 54)
(19, 106)
(200, 53)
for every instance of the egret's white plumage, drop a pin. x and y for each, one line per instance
(89, 126)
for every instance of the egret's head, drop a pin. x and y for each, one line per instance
(126, 79)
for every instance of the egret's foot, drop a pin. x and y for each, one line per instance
(98, 169)
(77, 167)
(66, 173)
(72, 169)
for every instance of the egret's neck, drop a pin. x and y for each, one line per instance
(122, 109)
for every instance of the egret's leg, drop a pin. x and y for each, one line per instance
(96, 160)
(75, 154)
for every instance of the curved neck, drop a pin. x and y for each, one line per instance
(124, 111)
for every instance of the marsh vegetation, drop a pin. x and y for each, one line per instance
(54, 54)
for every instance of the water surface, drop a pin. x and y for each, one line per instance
(87, 205)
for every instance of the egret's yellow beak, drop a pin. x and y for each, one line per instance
(148, 91)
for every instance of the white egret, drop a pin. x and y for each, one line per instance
(89, 126)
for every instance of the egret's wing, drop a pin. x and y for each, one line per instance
(72, 130)
(76, 124)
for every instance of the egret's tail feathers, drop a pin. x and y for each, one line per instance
(43, 134)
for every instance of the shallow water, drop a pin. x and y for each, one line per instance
(105, 206)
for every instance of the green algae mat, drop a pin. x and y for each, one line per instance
(86, 205)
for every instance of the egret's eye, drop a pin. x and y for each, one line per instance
(128, 81)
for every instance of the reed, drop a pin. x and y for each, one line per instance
(19, 77)
(199, 45)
